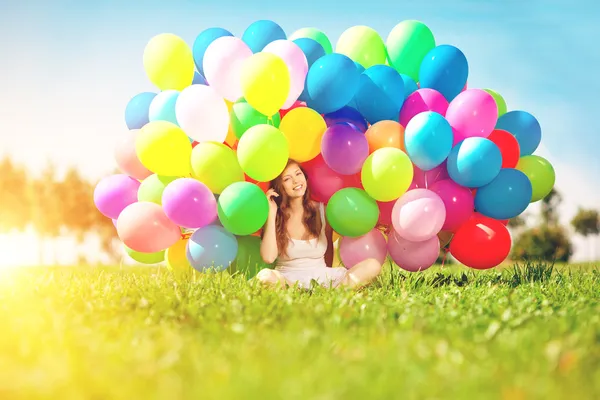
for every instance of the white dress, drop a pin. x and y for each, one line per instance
(305, 261)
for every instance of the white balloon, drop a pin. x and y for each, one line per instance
(202, 114)
(223, 64)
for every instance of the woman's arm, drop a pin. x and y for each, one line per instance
(329, 251)
(268, 244)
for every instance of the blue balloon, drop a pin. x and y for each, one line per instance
(199, 79)
(312, 51)
(380, 94)
(261, 33)
(346, 115)
(410, 85)
(352, 102)
(331, 83)
(507, 196)
(444, 69)
(203, 40)
(211, 248)
(136, 112)
(524, 127)
(162, 107)
(474, 162)
(428, 140)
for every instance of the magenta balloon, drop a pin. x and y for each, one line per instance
(344, 148)
(418, 215)
(458, 201)
(424, 179)
(357, 249)
(144, 227)
(189, 203)
(413, 256)
(420, 101)
(473, 113)
(113, 193)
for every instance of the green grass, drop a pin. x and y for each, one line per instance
(145, 333)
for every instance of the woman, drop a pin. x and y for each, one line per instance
(298, 237)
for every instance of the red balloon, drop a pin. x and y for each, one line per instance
(481, 243)
(296, 104)
(385, 212)
(263, 185)
(324, 182)
(194, 144)
(508, 145)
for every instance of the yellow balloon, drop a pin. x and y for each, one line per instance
(169, 62)
(216, 165)
(176, 258)
(265, 82)
(163, 148)
(304, 128)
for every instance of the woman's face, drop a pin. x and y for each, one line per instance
(293, 181)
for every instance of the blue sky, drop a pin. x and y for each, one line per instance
(69, 67)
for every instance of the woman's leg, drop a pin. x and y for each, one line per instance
(362, 273)
(270, 277)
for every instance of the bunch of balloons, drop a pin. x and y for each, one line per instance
(407, 158)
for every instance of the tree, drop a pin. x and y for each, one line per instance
(516, 222)
(550, 204)
(587, 223)
(543, 243)
(15, 210)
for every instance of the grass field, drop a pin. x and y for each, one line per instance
(144, 333)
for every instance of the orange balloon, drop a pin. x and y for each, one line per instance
(385, 133)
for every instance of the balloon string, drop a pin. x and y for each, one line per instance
(444, 258)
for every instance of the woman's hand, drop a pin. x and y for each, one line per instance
(271, 194)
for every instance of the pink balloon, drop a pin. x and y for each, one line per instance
(413, 256)
(297, 65)
(420, 101)
(296, 104)
(113, 193)
(127, 158)
(458, 201)
(202, 113)
(418, 215)
(424, 179)
(144, 227)
(357, 249)
(324, 182)
(473, 113)
(223, 63)
(189, 203)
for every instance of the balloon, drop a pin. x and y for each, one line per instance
(203, 40)
(500, 103)
(248, 261)
(356, 249)
(323, 181)
(136, 112)
(216, 165)
(481, 243)
(311, 48)
(162, 107)
(223, 66)
(263, 152)
(243, 208)
(168, 62)
(127, 159)
(418, 215)
(347, 115)
(114, 193)
(265, 82)
(474, 162)
(344, 149)
(297, 65)
(424, 179)
(189, 203)
(144, 227)
(304, 129)
(508, 145)
(385, 212)
(385, 134)
(420, 101)
(199, 79)
(444, 69)
(506, 196)
(146, 258)
(331, 83)
(458, 202)
(176, 258)
(203, 114)
(540, 173)
(387, 174)
(315, 34)
(211, 248)
(363, 45)
(410, 86)
(380, 94)
(473, 113)
(152, 188)
(428, 140)
(407, 45)
(413, 256)
(244, 117)
(297, 104)
(164, 148)
(260, 33)
(524, 127)
(351, 212)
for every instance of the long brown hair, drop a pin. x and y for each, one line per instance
(312, 216)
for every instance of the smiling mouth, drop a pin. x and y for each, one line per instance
(298, 187)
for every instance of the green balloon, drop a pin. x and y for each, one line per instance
(407, 45)
(352, 212)
(243, 208)
(499, 101)
(153, 187)
(248, 260)
(541, 174)
(362, 45)
(146, 258)
(244, 117)
(263, 152)
(315, 34)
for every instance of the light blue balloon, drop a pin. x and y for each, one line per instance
(505, 197)
(203, 40)
(352, 102)
(524, 127)
(428, 140)
(410, 85)
(211, 248)
(380, 94)
(312, 51)
(136, 112)
(444, 69)
(162, 107)
(199, 79)
(261, 33)
(474, 162)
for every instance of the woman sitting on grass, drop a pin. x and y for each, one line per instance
(298, 237)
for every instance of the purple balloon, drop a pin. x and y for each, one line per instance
(418, 215)
(458, 201)
(344, 149)
(349, 115)
(113, 193)
(420, 101)
(413, 256)
(189, 203)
